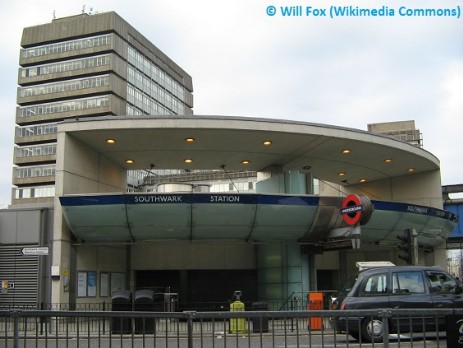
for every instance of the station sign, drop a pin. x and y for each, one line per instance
(356, 209)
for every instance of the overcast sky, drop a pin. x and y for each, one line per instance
(348, 71)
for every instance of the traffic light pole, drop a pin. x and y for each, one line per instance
(409, 245)
(414, 243)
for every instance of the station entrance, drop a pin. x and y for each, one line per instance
(200, 290)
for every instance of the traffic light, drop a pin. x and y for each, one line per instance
(406, 245)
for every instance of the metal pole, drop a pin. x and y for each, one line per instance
(15, 315)
(414, 237)
(190, 315)
(385, 315)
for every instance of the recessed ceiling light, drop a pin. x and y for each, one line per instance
(363, 180)
(267, 142)
(188, 160)
(346, 151)
(110, 141)
(245, 162)
(190, 140)
(129, 161)
(388, 160)
(342, 173)
(410, 170)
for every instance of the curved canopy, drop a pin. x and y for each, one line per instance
(250, 217)
(225, 142)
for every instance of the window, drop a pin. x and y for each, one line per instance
(441, 282)
(408, 282)
(66, 46)
(375, 284)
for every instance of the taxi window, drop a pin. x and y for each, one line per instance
(441, 282)
(409, 282)
(375, 284)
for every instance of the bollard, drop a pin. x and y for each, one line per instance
(237, 325)
(315, 302)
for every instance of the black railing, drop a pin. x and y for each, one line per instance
(315, 328)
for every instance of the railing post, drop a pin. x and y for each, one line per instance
(15, 315)
(189, 318)
(104, 319)
(385, 315)
(42, 319)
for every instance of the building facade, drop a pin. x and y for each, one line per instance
(85, 66)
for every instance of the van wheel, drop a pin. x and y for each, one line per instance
(372, 329)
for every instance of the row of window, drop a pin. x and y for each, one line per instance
(150, 89)
(59, 87)
(142, 104)
(233, 187)
(152, 71)
(66, 46)
(35, 171)
(35, 150)
(36, 130)
(409, 282)
(68, 65)
(34, 192)
(64, 106)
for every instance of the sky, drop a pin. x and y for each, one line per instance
(247, 59)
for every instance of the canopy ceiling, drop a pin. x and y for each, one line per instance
(225, 142)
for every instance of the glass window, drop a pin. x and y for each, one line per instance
(375, 284)
(68, 65)
(149, 80)
(66, 46)
(408, 282)
(441, 282)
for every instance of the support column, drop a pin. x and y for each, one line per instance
(282, 274)
(283, 271)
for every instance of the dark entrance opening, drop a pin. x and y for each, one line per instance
(201, 290)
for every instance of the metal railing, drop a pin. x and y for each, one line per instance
(54, 328)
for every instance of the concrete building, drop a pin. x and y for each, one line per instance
(85, 66)
(225, 204)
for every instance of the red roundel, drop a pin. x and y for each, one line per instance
(352, 209)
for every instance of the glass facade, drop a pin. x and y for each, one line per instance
(35, 150)
(34, 192)
(150, 90)
(35, 171)
(67, 86)
(66, 46)
(68, 65)
(63, 106)
(36, 130)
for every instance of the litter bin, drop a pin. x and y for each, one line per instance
(259, 324)
(144, 302)
(121, 301)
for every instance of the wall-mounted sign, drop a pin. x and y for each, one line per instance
(35, 251)
(356, 209)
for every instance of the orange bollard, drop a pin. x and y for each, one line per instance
(315, 302)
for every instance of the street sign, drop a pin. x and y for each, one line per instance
(35, 251)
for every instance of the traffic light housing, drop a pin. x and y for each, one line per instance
(406, 245)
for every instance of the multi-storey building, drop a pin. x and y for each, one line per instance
(85, 66)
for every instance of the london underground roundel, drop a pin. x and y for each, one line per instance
(356, 209)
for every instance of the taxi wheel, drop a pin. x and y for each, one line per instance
(372, 329)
